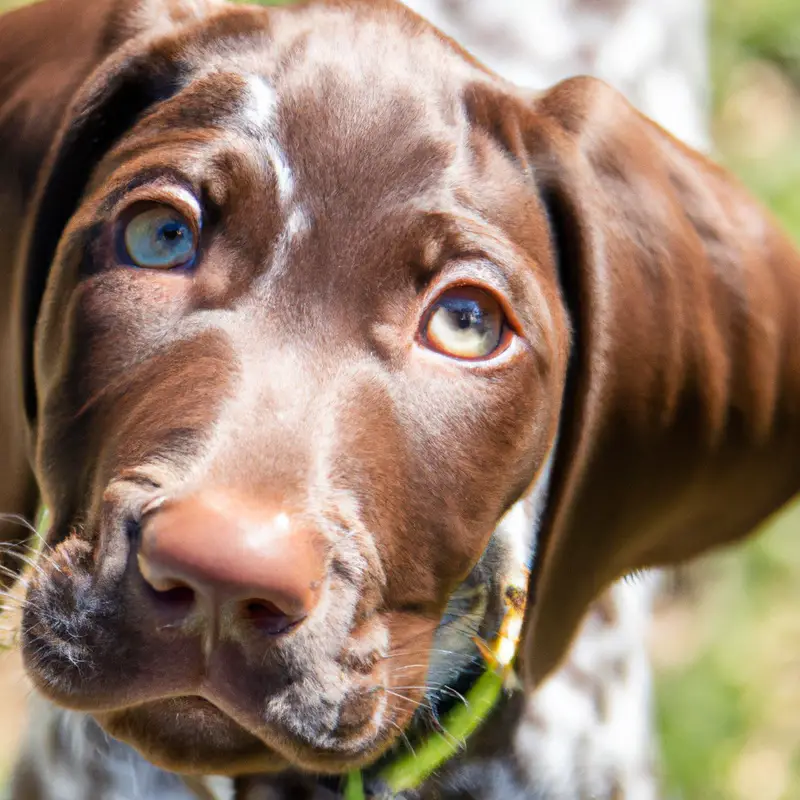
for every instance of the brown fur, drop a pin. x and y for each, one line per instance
(658, 343)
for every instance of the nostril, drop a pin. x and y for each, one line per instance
(179, 598)
(268, 618)
(179, 595)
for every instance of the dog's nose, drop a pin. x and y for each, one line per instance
(226, 555)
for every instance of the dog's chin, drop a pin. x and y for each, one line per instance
(191, 736)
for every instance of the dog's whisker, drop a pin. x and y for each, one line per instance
(434, 688)
(18, 519)
(49, 557)
(13, 594)
(404, 736)
(419, 652)
(449, 690)
(26, 559)
(15, 547)
(425, 688)
(405, 667)
(458, 744)
(400, 696)
(16, 576)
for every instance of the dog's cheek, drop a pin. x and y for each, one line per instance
(435, 456)
(478, 444)
(91, 334)
(114, 381)
(122, 317)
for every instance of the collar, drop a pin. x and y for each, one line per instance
(409, 770)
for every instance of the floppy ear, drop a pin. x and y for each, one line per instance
(681, 417)
(59, 113)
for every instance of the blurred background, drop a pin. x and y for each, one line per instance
(727, 647)
(725, 639)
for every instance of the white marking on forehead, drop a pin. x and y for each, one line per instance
(298, 222)
(261, 115)
(263, 102)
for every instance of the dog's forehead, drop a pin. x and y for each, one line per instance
(377, 44)
(347, 94)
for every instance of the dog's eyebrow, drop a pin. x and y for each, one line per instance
(158, 177)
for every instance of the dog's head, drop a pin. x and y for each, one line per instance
(329, 328)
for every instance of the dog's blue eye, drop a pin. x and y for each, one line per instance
(466, 323)
(160, 238)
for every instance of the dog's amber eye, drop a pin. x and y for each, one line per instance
(465, 322)
(159, 238)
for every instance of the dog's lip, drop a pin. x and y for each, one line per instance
(278, 750)
(195, 702)
(223, 703)
(215, 735)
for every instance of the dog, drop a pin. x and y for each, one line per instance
(350, 375)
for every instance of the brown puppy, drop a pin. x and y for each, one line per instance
(299, 303)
